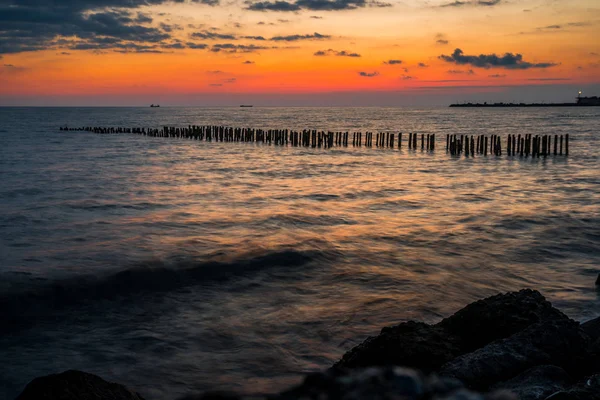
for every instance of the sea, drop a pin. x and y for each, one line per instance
(177, 266)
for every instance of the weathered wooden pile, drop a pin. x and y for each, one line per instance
(521, 145)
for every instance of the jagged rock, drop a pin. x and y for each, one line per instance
(414, 344)
(592, 328)
(537, 383)
(428, 347)
(75, 385)
(383, 384)
(560, 342)
(499, 317)
(588, 389)
(215, 396)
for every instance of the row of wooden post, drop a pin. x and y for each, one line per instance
(523, 145)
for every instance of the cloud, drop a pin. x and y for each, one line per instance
(497, 76)
(236, 48)
(507, 61)
(441, 39)
(555, 28)
(248, 62)
(393, 62)
(548, 79)
(459, 71)
(176, 45)
(342, 53)
(315, 17)
(313, 5)
(368, 74)
(407, 77)
(423, 65)
(212, 36)
(34, 25)
(254, 37)
(293, 38)
(196, 46)
(475, 3)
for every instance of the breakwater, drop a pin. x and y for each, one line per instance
(469, 145)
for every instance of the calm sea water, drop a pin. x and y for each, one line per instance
(176, 266)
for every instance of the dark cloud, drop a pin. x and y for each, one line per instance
(236, 48)
(248, 62)
(293, 38)
(497, 76)
(143, 18)
(548, 79)
(459, 3)
(313, 5)
(407, 77)
(393, 62)
(423, 65)
(176, 45)
(315, 17)
(196, 46)
(459, 71)
(254, 37)
(170, 28)
(442, 42)
(331, 52)
(508, 60)
(273, 6)
(208, 35)
(34, 25)
(368, 74)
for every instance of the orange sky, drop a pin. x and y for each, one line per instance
(171, 48)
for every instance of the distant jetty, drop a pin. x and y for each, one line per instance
(581, 102)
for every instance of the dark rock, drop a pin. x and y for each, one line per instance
(560, 342)
(499, 317)
(427, 347)
(598, 280)
(537, 383)
(588, 389)
(76, 385)
(414, 344)
(214, 396)
(383, 384)
(592, 328)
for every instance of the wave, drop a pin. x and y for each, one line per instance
(19, 310)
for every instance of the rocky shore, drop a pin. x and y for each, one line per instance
(506, 347)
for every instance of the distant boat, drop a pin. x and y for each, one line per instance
(154, 106)
(246, 105)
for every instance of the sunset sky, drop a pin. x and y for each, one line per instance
(296, 52)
